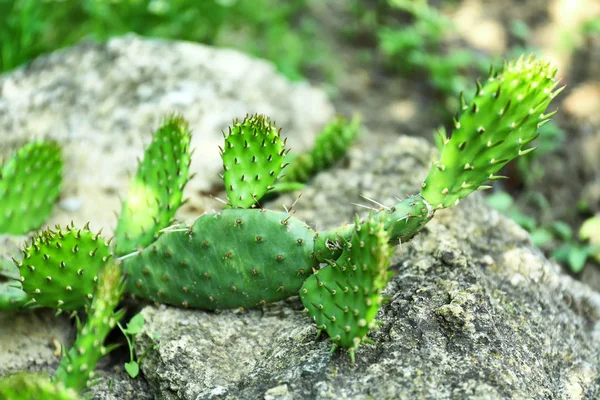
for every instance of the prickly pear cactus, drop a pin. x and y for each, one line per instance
(234, 258)
(331, 145)
(29, 186)
(24, 386)
(343, 298)
(157, 189)
(494, 129)
(60, 267)
(12, 297)
(77, 366)
(253, 157)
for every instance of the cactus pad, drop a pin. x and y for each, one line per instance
(60, 268)
(11, 297)
(491, 131)
(77, 366)
(157, 189)
(252, 159)
(29, 186)
(344, 297)
(235, 258)
(25, 386)
(331, 145)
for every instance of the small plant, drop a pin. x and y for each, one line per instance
(134, 327)
(246, 255)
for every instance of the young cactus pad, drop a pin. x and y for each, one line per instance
(29, 186)
(77, 366)
(344, 297)
(157, 189)
(252, 159)
(235, 258)
(60, 268)
(331, 145)
(491, 131)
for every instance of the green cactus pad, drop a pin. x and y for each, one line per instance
(60, 268)
(77, 366)
(157, 189)
(29, 186)
(24, 386)
(402, 222)
(253, 157)
(491, 131)
(235, 258)
(344, 297)
(331, 145)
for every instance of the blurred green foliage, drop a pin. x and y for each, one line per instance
(278, 30)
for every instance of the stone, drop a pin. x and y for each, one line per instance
(475, 311)
(102, 102)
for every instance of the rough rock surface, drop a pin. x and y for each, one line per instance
(475, 312)
(101, 102)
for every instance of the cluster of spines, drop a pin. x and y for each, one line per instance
(253, 157)
(344, 297)
(156, 192)
(77, 366)
(331, 145)
(24, 386)
(29, 185)
(493, 129)
(60, 267)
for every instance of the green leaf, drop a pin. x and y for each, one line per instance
(132, 368)
(500, 201)
(577, 258)
(563, 230)
(135, 325)
(541, 236)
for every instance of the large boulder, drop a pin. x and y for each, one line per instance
(475, 311)
(102, 102)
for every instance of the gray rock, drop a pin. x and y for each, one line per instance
(102, 102)
(475, 312)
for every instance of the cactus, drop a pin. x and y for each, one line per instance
(77, 366)
(23, 386)
(12, 297)
(244, 257)
(253, 157)
(344, 297)
(157, 189)
(60, 268)
(29, 186)
(491, 131)
(234, 258)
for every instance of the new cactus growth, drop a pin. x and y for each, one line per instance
(253, 157)
(330, 146)
(157, 189)
(60, 268)
(29, 186)
(344, 297)
(493, 129)
(77, 366)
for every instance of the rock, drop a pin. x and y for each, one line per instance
(102, 102)
(476, 312)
